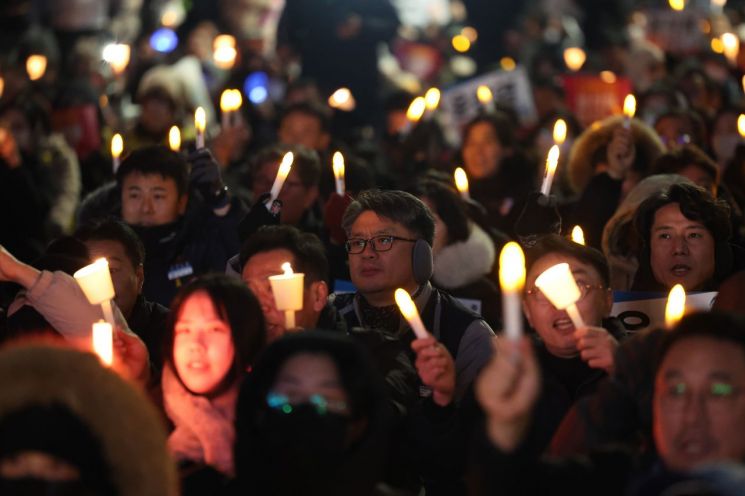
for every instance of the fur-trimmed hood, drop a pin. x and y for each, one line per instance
(462, 263)
(648, 148)
(127, 426)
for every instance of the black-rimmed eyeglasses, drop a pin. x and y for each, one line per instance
(378, 243)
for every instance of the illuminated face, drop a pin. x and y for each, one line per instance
(699, 406)
(203, 349)
(295, 196)
(681, 250)
(554, 326)
(299, 128)
(482, 151)
(377, 274)
(256, 274)
(151, 200)
(306, 375)
(127, 279)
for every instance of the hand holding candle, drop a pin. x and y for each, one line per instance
(103, 342)
(279, 180)
(338, 164)
(551, 163)
(461, 183)
(200, 123)
(558, 285)
(287, 289)
(675, 306)
(411, 314)
(512, 281)
(117, 146)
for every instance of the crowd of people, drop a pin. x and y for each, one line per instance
(212, 390)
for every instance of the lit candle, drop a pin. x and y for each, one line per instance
(174, 138)
(731, 45)
(95, 281)
(512, 281)
(117, 55)
(574, 58)
(629, 109)
(224, 51)
(237, 102)
(411, 314)
(36, 66)
(431, 101)
(560, 132)
(287, 289)
(282, 172)
(461, 183)
(675, 306)
(551, 163)
(200, 123)
(485, 97)
(578, 236)
(117, 147)
(103, 342)
(226, 104)
(338, 164)
(342, 99)
(677, 5)
(558, 285)
(741, 125)
(415, 112)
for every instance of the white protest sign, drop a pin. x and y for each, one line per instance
(459, 104)
(676, 31)
(641, 313)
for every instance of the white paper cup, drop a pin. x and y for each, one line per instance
(95, 281)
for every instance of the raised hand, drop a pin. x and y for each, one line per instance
(436, 369)
(597, 347)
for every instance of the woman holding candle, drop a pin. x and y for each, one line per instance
(215, 331)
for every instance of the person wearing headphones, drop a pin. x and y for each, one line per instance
(389, 244)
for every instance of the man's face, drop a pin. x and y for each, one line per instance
(377, 275)
(554, 326)
(482, 151)
(256, 274)
(127, 278)
(299, 128)
(295, 196)
(151, 200)
(699, 406)
(681, 250)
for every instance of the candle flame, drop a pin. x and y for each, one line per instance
(629, 106)
(574, 58)
(608, 77)
(507, 64)
(484, 94)
(225, 100)
(405, 303)
(174, 138)
(512, 268)
(559, 286)
(237, 99)
(117, 145)
(432, 99)
(338, 164)
(103, 343)
(461, 43)
(416, 109)
(553, 159)
(342, 99)
(677, 5)
(2, 86)
(36, 66)
(560, 131)
(675, 306)
(285, 165)
(470, 33)
(200, 119)
(117, 56)
(287, 269)
(731, 46)
(578, 236)
(461, 180)
(741, 125)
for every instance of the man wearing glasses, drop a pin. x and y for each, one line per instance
(389, 239)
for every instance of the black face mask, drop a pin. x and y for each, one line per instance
(28, 486)
(303, 442)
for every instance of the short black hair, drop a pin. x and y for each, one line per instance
(236, 305)
(678, 159)
(307, 250)
(499, 121)
(398, 206)
(719, 325)
(312, 109)
(115, 230)
(553, 243)
(159, 160)
(449, 207)
(305, 162)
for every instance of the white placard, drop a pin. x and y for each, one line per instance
(642, 313)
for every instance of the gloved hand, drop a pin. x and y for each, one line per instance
(258, 216)
(538, 218)
(205, 178)
(333, 212)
